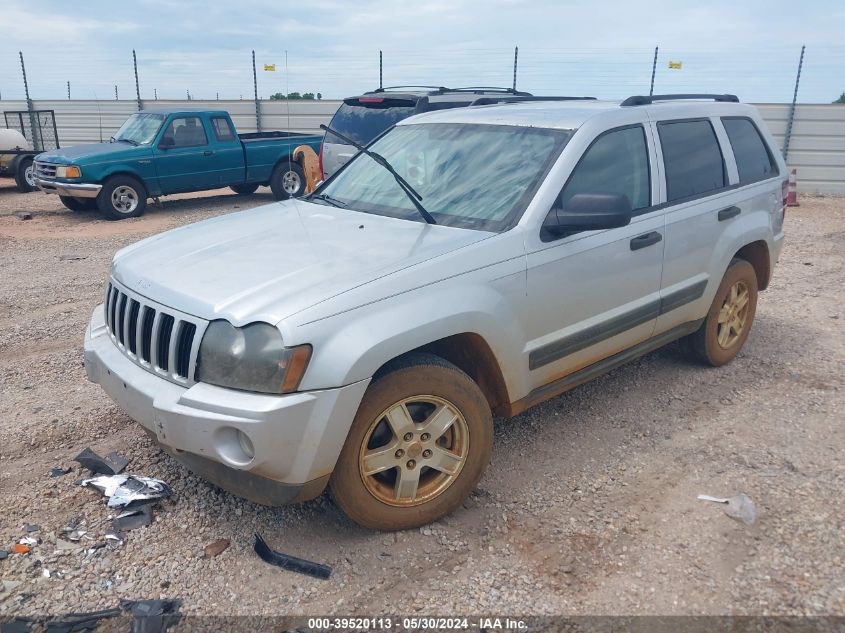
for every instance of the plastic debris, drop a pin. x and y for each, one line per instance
(28, 540)
(20, 548)
(3, 554)
(31, 527)
(216, 548)
(152, 616)
(288, 562)
(111, 464)
(133, 519)
(123, 490)
(77, 622)
(58, 472)
(114, 536)
(739, 507)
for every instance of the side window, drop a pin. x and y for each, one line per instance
(222, 128)
(185, 131)
(753, 158)
(693, 160)
(616, 163)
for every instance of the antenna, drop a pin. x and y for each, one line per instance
(287, 100)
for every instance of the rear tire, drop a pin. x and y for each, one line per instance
(244, 190)
(728, 322)
(25, 175)
(287, 181)
(425, 432)
(79, 204)
(122, 197)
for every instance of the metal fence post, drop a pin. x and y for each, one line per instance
(515, 60)
(68, 91)
(791, 119)
(380, 67)
(33, 120)
(257, 103)
(653, 70)
(137, 85)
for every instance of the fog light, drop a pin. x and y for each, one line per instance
(246, 444)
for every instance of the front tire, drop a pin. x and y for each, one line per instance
(122, 197)
(418, 446)
(79, 204)
(244, 190)
(287, 181)
(728, 322)
(25, 175)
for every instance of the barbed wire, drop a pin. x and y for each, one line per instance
(756, 74)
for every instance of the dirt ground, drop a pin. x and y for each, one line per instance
(589, 505)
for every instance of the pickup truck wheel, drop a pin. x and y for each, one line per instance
(122, 197)
(25, 175)
(79, 204)
(244, 190)
(419, 443)
(287, 181)
(728, 322)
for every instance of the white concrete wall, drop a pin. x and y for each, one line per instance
(816, 150)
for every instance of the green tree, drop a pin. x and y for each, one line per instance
(308, 95)
(278, 96)
(841, 98)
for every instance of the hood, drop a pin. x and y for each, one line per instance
(273, 261)
(68, 155)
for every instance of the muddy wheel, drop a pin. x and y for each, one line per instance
(729, 319)
(25, 175)
(419, 443)
(244, 190)
(79, 204)
(287, 181)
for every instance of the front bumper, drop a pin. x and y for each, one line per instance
(72, 189)
(296, 437)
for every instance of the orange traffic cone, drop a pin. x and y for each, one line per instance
(791, 193)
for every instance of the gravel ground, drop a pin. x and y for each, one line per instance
(589, 506)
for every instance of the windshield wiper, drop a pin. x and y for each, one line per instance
(128, 140)
(340, 204)
(413, 196)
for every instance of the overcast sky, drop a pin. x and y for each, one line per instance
(749, 47)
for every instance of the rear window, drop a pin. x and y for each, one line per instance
(692, 158)
(222, 129)
(362, 122)
(753, 159)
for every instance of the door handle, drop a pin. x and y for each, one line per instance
(730, 212)
(646, 239)
(207, 152)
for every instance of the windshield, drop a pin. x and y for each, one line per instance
(470, 176)
(140, 129)
(362, 123)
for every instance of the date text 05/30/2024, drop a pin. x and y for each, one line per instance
(417, 623)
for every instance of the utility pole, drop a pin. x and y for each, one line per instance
(653, 70)
(257, 103)
(137, 86)
(515, 60)
(791, 120)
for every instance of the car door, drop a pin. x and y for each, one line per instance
(227, 158)
(592, 294)
(183, 156)
(701, 210)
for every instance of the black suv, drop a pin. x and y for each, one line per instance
(365, 117)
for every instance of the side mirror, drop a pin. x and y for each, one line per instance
(166, 142)
(589, 212)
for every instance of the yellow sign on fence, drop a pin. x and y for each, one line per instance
(675, 65)
(270, 67)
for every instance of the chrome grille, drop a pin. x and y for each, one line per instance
(45, 170)
(159, 339)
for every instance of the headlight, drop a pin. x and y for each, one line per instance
(252, 358)
(68, 171)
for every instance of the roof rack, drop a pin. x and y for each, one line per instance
(386, 88)
(639, 100)
(512, 91)
(516, 99)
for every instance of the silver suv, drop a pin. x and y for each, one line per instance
(470, 263)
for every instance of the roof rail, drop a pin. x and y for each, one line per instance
(518, 98)
(638, 100)
(511, 91)
(440, 88)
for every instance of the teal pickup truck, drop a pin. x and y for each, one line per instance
(161, 152)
